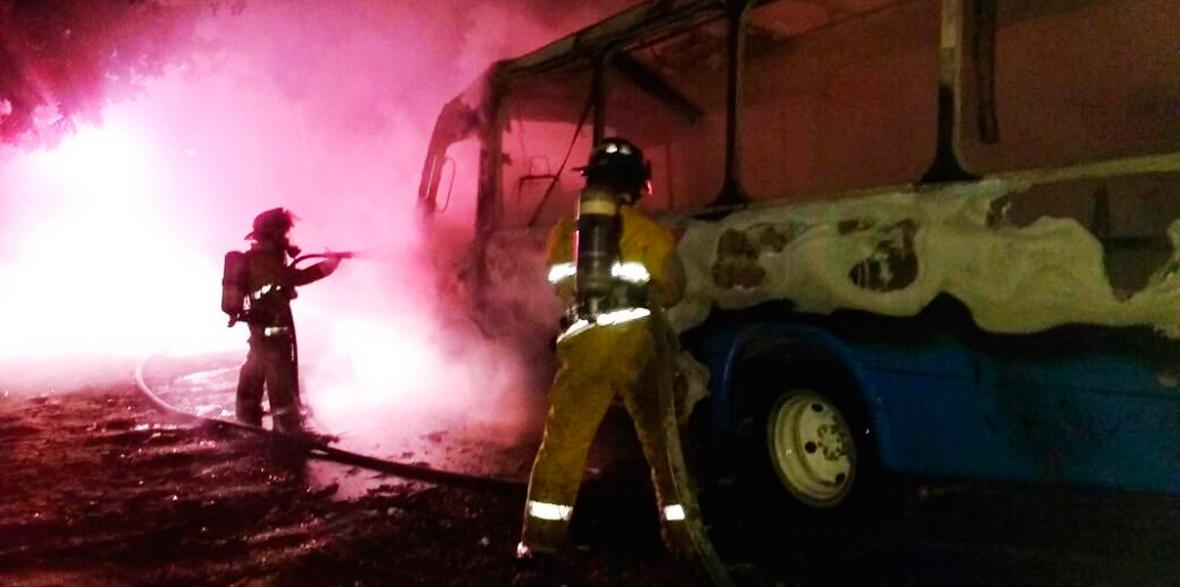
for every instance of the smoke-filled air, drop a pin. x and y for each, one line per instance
(128, 176)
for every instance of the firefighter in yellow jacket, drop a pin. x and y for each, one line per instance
(618, 270)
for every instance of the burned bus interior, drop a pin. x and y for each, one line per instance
(815, 101)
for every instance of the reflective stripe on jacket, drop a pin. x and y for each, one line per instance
(644, 241)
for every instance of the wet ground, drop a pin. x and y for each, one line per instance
(453, 440)
(101, 488)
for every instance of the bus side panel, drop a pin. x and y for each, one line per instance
(944, 408)
(947, 426)
(940, 420)
(1096, 419)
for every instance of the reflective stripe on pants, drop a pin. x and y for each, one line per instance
(627, 360)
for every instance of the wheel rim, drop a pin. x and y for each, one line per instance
(811, 448)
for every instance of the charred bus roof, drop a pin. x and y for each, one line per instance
(579, 49)
(954, 97)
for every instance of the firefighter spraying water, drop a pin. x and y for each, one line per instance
(257, 288)
(617, 270)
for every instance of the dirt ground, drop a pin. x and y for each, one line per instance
(99, 488)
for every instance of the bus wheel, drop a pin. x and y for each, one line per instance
(811, 448)
(811, 454)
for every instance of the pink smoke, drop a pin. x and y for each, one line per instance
(111, 243)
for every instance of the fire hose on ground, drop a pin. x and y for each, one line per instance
(321, 449)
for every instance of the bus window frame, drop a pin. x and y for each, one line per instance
(964, 101)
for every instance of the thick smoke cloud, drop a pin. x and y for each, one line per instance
(179, 121)
(63, 61)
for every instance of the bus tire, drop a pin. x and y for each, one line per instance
(811, 457)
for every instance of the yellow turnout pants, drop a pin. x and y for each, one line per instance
(632, 360)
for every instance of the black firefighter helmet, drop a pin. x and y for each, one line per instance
(272, 224)
(618, 165)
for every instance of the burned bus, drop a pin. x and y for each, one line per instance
(934, 237)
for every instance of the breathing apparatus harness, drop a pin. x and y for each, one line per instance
(607, 291)
(236, 301)
(270, 226)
